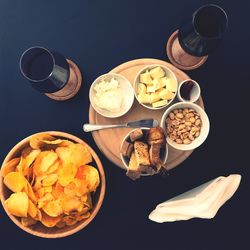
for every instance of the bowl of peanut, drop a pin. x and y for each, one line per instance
(186, 125)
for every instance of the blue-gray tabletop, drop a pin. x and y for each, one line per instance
(98, 36)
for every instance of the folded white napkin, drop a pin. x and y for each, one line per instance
(203, 201)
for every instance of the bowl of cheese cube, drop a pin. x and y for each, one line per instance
(155, 86)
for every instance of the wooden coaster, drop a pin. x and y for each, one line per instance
(72, 87)
(179, 58)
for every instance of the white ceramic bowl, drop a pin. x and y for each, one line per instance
(168, 72)
(127, 91)
(195, 92)
(204, 127)
(125, 160)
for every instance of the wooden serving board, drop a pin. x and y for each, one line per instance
(109, 140)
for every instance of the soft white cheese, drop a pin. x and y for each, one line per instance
(108, 95)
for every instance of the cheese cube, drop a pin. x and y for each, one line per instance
(143, 98)
(141, 88)
(159, 103)
(165, 94)
(150, 89)
(169, 83)
(157, 84)
(146, 78)
(157, 73)
(154, 97)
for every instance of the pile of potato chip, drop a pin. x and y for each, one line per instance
(51, 182)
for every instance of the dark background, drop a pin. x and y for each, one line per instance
(99, 35)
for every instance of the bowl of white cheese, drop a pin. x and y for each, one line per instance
(111, 95)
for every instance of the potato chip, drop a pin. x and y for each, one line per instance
(84, 199)
(70, 189)
(29, 191)
(69, 220)
(36, 141)
(89, 202)
(17, 204)
(44, 200)
(38, 215)
(53, 208)
(15, 181)
(90, 175)
(66, 143)
(30, 176)
(64, 154)
(43, 161)
(76, 188)
(66, 173)
(10, 166)
(49, 221)
(61, 224)
(32, 209)
(71, 204)
(40, 192)
(53, 168)
(28, 157)
(52, 142)
(49, 180)
(28, 221)
(82, 216)
(47, 189)
(76, 153)
(80, 154)
(38, 182)
(57, 190)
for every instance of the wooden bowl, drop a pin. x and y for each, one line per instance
(39, 229)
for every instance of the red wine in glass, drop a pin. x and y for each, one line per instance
(47, 71)
(203, 31)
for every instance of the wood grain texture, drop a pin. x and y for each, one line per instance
(72, 87)
(39, 229)
(179, 58)
(109, 140)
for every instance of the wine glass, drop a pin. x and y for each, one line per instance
(197, 36)
(50, 72)
(202, 33)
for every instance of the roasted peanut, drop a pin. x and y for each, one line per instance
(191, 137)
(186, 141)
(188, 124)
(171, 115)
(192, 119)
(179, 115)
(197, 134)
(182, 126)
(179, 141)
(197, 122)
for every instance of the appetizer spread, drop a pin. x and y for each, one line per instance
(183, 125)
(143, 150)
(108, 95)
(156, 88)
(51, 182)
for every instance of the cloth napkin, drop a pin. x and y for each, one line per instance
(203, 201)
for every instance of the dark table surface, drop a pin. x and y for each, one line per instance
(99, 35)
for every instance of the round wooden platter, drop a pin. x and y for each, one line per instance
(109, 140)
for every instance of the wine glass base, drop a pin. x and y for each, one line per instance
(72, 87)
(179, 58)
